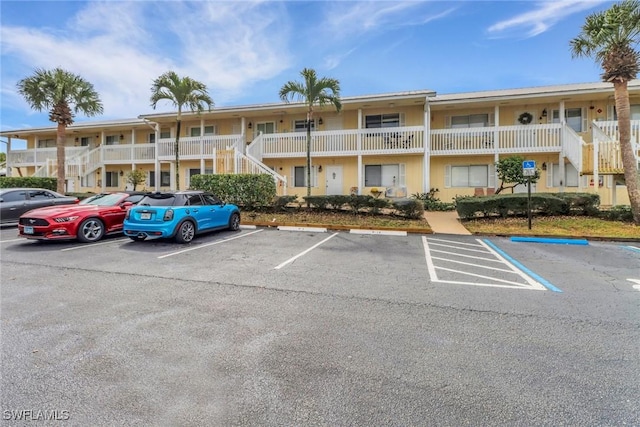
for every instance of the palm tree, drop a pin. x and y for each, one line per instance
(312, 91)
(180, 91)
(63, 94)
(610, 36)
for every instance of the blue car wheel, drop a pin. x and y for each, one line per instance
(186, 232)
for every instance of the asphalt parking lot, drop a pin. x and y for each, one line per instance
(268, 327)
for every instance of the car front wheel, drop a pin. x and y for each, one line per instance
(186, 232)
(234, 222)
(90, 230)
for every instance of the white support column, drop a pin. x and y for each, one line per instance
(7, 164)
(496, 142)
(156, 163)
(359, 151)
(561, 172)
(202, 166)
(426, 161)
(596, 154)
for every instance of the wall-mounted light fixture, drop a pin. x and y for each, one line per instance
(121, 137)
(320, 121)
(544, 166)
(250, 126)
(320, 168)
(544, 113)
(121, 173)
(77, 139)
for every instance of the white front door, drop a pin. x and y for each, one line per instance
(333, 176)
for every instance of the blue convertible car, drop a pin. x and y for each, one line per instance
(180, 214)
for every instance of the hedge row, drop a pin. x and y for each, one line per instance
(407, 208)
(28, 182)
(249, 191)
(505, 205)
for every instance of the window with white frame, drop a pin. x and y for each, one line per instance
(84, 141)
(112, 139)
(301, 125)
(391, 120)
(634, 112)
(112, 179)
(165, 178)
(391, 175)
(571, 175)
(196, 171)
(469, 121)
(152, 138)
(469, 176)
(208, 130)
(163, 134)
(265, 127)
(299, 174)
(573, 117)
(46, 143)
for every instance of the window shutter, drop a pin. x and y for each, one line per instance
(402, 173)
(550, 175)
(447, 122)
(492, 119)
(611, 112)
(585, 121)
(292, 182)
(492, 176)
(314, 176)
(447, 176)
(401, 119)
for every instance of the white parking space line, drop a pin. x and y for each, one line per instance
(461, 250)
(209, 244)
(290, 260)
(91, 245)
(12, 240)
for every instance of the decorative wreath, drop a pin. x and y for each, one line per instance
(525, 118)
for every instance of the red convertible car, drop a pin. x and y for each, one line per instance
(87, 221)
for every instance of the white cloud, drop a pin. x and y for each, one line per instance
(544, 16)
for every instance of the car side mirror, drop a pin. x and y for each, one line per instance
(1, 200)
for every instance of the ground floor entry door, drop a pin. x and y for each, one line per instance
(333, 175)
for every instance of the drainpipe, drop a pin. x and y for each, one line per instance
(562, 154)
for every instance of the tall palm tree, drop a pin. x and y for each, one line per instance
(180, 91)
(312, 91)
(610, 36)
(63, 94)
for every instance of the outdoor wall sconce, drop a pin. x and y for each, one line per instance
(77, 139)
(544, 166)
(320, 121)
(320, 168)
(121, 137)
(121, 173)
(250, 126)
(544, 113)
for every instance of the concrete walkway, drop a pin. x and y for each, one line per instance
(446, 222)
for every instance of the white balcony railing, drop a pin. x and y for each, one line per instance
(195, 146)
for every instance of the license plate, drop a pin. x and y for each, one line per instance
(145, 215)
(28, 230)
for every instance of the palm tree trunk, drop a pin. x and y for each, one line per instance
(60, 154)
(177, 152)
(628, 158)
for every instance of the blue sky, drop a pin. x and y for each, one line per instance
(244, 51)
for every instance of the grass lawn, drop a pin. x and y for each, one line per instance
(567, 226)
(338, 220)
(563, 226)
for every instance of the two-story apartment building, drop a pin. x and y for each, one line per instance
(400, 143)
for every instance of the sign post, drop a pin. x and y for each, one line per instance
(529, 170)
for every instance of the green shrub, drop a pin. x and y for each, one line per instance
(318, 203)
(358, 202)
(337, 202)
(617, 213)
(409, 208)
(505, 205)
(28, 182)
(431, 202)
(375, 205)
(249, 191)
(280, 203)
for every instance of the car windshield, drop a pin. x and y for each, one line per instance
(103, 200)
(162, 199)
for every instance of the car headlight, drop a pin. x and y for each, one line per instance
(66, 219)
